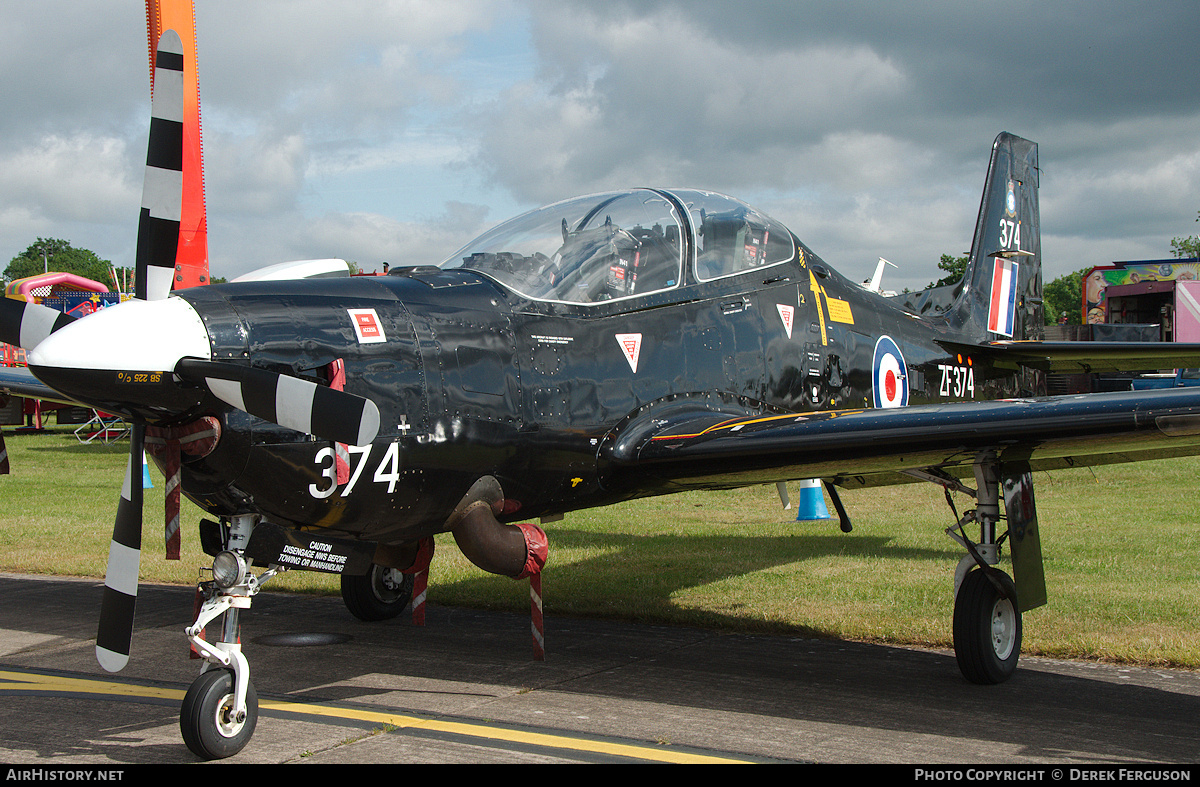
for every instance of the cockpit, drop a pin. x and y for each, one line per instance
(625, 244)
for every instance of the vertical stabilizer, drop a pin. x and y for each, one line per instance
(1001, 297)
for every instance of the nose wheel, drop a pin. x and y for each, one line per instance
(212, 727)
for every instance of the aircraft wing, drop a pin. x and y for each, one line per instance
(1083, 357)
(19, 381)
(874, 447)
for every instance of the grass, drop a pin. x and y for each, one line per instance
(1117, 542)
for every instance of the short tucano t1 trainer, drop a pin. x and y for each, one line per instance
(603, 348)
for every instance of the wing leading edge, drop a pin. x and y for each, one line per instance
(19, 381)
(876, 447)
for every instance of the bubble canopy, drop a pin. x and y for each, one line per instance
(625, 244)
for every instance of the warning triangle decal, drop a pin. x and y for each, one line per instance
(631, 344)
(785, 314)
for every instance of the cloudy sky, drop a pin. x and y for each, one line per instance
(397, 130)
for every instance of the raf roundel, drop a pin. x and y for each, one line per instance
(890, 375)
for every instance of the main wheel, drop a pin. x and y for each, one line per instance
(987, 628)
(380, 594)
(206, 719)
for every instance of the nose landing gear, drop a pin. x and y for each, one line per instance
(220, 710)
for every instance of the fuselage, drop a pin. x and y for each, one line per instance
(475, 375)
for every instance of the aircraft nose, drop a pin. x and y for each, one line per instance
(121, 358)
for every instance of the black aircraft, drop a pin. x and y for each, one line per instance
(604, 348)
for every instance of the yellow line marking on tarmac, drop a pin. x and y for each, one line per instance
(21, 681)
(60, 683)
(501, 734)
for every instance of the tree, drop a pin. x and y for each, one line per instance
(53, 254)
(1186, 246)
(955, 267)
(1064, 294)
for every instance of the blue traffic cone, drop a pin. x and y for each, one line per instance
(146, 482)
(812, 501)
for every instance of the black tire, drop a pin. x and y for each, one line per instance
(380, 594)
(987, 628)
(205, 719)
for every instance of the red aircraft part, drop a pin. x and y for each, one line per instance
(191, 261)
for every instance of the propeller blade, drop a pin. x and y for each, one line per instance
(162, 190)
(26, 324)
(115, 632)
(288, 401)
(3, 455)
(157, 245)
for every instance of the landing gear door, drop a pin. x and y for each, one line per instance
(1024, 538)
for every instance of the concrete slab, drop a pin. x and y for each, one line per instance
(465, 688)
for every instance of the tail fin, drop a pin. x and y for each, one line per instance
(1001, 293)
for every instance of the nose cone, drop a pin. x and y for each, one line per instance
(121, 359)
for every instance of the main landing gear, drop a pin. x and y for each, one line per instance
(987, 626)
(380, 594)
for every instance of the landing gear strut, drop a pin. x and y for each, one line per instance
(220, 709)
(987, 615)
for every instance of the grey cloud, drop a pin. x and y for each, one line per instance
(343, 129)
